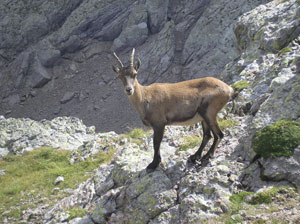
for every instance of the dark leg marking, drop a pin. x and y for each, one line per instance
(218, 135)
(206, 138)
(158, 135)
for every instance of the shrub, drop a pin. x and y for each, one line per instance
(277, 139)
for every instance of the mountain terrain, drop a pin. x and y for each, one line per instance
(63, 111)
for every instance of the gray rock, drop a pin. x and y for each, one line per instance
(131, 36)
(271, 35)
(68, 96)
(282, 168)
(158, 54)
(58, 180)
(39, 76)
(137, 15)
(62, 133)
(47, 54)
(104, 187)
(2, 172)
(14, 99)
(157, 12)
(24, 24)
(81, 221)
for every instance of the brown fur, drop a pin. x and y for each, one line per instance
(182, 103)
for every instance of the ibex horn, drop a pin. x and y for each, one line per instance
(132, 57)
(118, 59)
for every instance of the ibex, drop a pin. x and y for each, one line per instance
(182, 103)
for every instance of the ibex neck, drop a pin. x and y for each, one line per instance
(137, 99)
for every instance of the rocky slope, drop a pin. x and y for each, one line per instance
(55, 57)
(266, 59)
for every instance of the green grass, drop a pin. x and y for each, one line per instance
(190, 142)
(77, 212)
(240, 85)
(31, 176)
(237, 200)
(272, 196)
(277, 139)
(226, 123)
(136, 135)
(265, 197)
(285, 50)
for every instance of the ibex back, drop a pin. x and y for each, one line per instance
(182, 103)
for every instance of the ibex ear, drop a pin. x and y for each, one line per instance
(115, 69)
(137, 65)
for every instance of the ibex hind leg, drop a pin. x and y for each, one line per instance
(218, 135)
(206, 138)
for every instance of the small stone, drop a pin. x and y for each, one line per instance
(58, 180)
(67, 97)
(2, 172)
(55, 190)
(81, 221)
(33, 93)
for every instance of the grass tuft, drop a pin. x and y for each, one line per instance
(190, 142)
(77, 212)
(137, 135)
(226, 123)
(240, 85)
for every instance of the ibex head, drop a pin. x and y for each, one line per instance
(127, 74)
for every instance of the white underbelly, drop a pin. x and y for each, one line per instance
(196, 119)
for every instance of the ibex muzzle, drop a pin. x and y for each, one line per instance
(182, 103)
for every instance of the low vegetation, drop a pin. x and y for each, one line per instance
(277, 139)
(136, 135)
(251, 204)
(240, 85)
(30, 177)
(285, 50)
(226, 123)
(190, 142)
(77, 212)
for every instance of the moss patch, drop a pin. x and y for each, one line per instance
(190, 142)
(277, 139)
(240, 85)
(285, 50)
(30, 177)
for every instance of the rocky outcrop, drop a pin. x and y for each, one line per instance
(123, 192)
(268, 64)
(20, 135)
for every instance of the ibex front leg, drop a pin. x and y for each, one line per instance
(158, 135)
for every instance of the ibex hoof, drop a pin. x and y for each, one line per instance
(193, 159)
(151, 167)
(205, 160)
